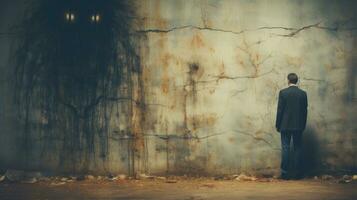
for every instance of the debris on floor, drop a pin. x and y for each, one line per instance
(2, 178)
(144, 176)
(31, 177)
(29, 180)
(345, 179)
(64, 179)
(14, 175)
(327, 177)
(160, 178)
(44, 179)
(89, 177)
(57, 183)
(243, 177)
(171, 181)
(339, 179)
(121, 176)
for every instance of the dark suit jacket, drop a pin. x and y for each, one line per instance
(292, 110)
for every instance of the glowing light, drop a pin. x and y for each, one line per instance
(95, 18)
(69, 16)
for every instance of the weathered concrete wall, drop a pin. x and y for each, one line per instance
(213, 69)
(10, 15)
(204, 101)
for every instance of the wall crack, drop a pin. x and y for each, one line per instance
(293, 31)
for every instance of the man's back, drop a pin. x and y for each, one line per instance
(291, 122)
(292, 109)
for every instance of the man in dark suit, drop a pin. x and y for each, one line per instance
(291, 122)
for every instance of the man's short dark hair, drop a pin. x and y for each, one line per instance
(293, 78)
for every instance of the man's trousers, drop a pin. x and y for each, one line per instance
(285, 153)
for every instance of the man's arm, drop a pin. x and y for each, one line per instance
(279, 113)
(304, 114)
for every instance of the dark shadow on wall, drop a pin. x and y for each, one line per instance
(311, 152)
(351, 95)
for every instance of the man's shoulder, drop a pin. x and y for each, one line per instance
(284, 90)
(292, 89)
(302, 91)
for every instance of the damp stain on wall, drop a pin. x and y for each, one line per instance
(180, 91)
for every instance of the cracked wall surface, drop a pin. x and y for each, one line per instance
(213, 70)
(205, 99)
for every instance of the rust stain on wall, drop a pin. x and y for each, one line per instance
(202, 97)
(202, 120)
(165, 79)
(197, 41)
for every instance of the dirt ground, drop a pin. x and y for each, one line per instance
(196, 189)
